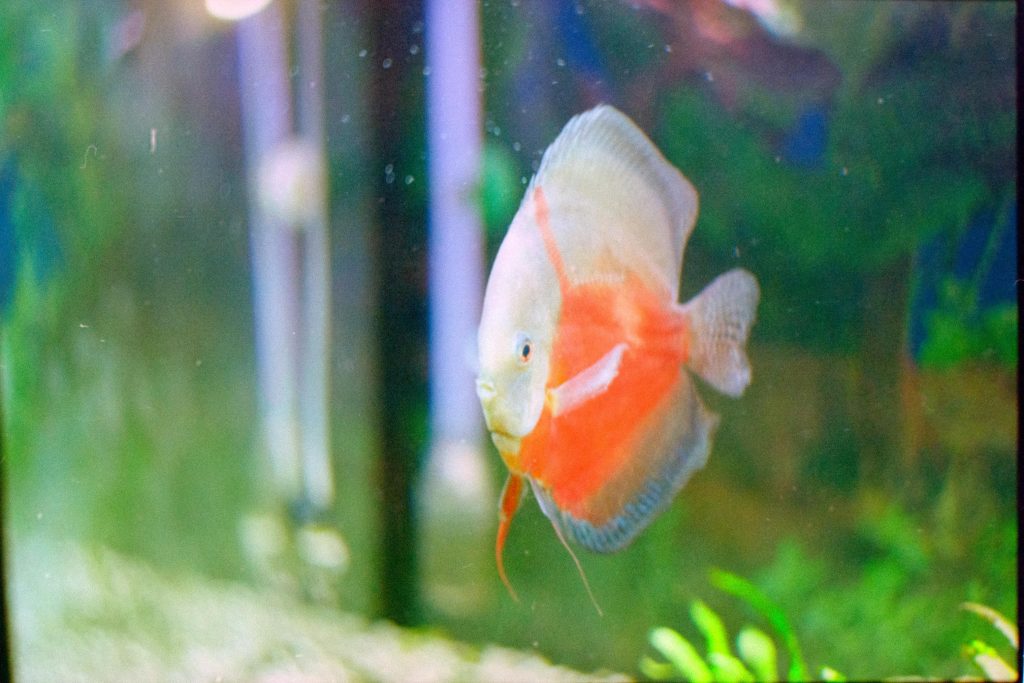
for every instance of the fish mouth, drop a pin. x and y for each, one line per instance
(506, 444)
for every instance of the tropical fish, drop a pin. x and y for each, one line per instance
(585, 353)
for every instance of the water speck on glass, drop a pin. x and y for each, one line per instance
(650, 46)
(414, 49)
(668, 48)
(844, 171)
(417, 27)
(387, 63)
(522, 180)
(515, 3)
(580, 9)
(516, 146)
(409, 180)
(389, 174)
(346, 118)
(778, 159)
(426, 71)
(709, 77)
(881, 100)
(362, 53)
(560, 62)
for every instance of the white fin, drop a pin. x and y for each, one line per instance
(588, 384)
(550, 510)
(616, 204)
(721, 317)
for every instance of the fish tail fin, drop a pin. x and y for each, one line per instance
(721, 317)
(511, 496)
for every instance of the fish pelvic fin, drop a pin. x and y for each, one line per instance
(721, 317)
(511, 497)
(551, 512)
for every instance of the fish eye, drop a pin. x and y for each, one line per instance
(524, 348)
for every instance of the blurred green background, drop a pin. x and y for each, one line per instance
(858, 157)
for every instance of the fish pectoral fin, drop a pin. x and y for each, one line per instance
(588, 384)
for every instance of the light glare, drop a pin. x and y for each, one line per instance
(233, 10)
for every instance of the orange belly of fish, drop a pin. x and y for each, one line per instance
(578, 454)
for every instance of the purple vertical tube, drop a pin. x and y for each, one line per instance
(266, 121)
(318, 475)
(455, 242)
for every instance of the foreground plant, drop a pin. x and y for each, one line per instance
(756, 654)
(985, 656)
(756, 657)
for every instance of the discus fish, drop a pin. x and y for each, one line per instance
(585, 353)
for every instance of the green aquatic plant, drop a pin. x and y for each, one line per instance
(756, 657)
(984, 655)
(957, 332)
(756, 653)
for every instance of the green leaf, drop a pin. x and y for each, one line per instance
(989, 661)
(681, 654)
(830, 674)
(657, 671)
(728, 669)
(753, 596)
(996, 619)
(758, 651)
(710, 624)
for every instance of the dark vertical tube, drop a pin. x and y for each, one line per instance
(401, 330)
(5, 647)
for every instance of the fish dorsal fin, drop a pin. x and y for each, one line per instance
(615, 203)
